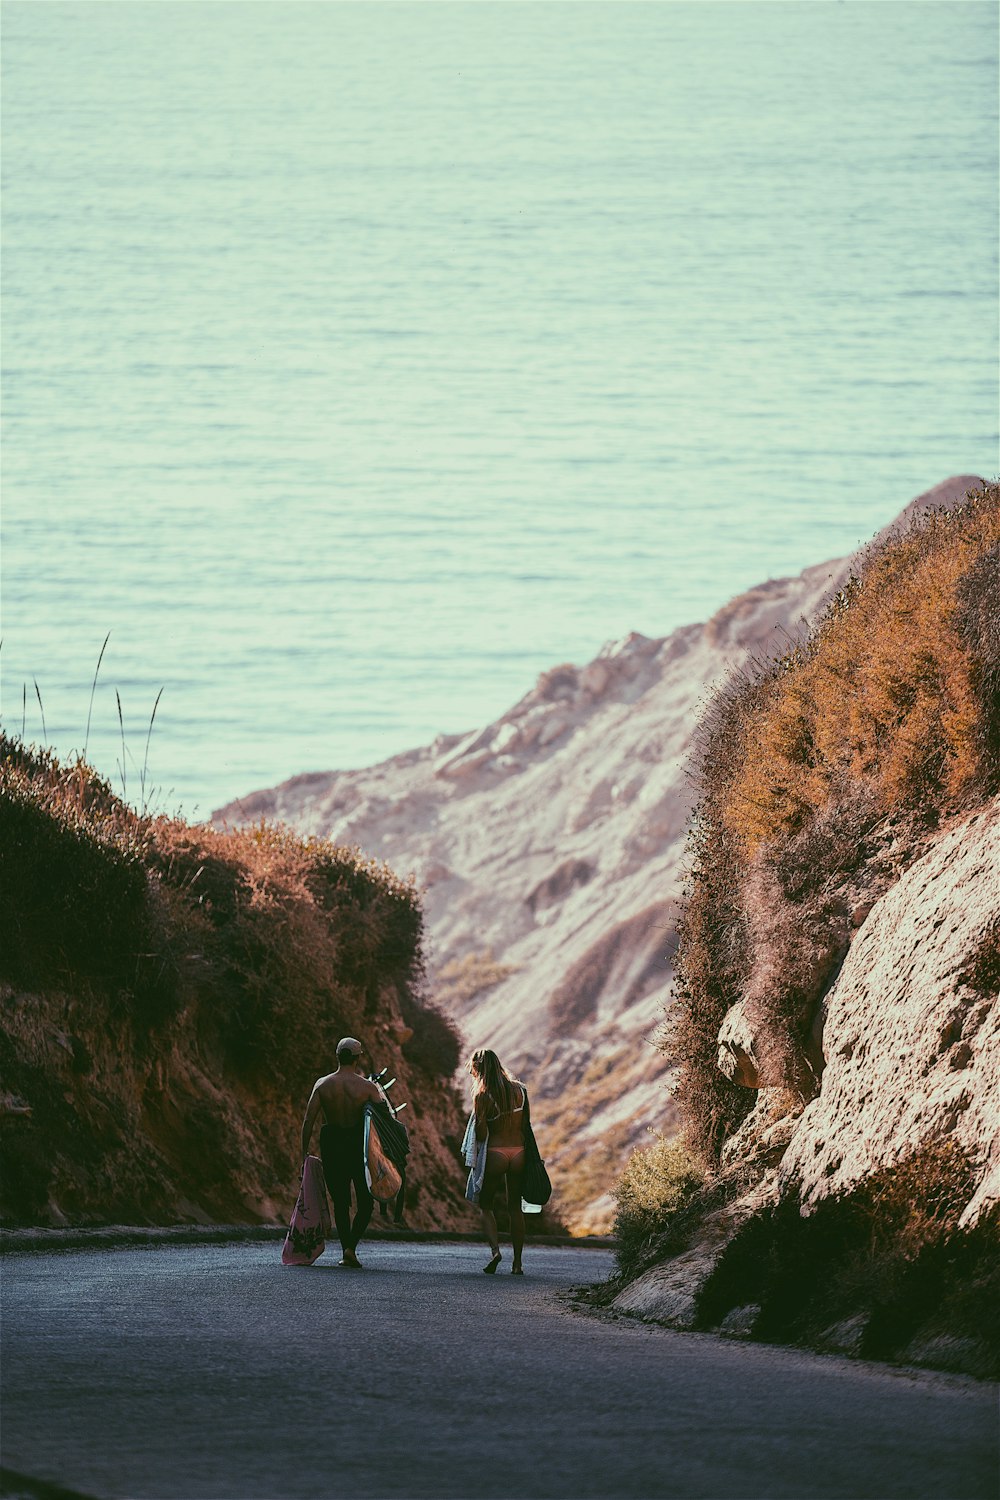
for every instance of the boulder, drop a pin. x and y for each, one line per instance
(739, 1322)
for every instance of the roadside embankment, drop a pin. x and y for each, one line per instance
(169, 995)
(836, 1017)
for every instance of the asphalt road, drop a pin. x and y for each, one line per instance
(215, 1373)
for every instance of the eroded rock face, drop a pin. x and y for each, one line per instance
(912, 1034)
(737, 1058)
(101, 1127)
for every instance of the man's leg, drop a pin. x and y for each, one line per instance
(337, 1171)
(362, 1196)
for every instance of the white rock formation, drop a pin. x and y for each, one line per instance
(553, 840)
(912, 1048)
(912, 1032)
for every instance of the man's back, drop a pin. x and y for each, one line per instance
(343, 1096)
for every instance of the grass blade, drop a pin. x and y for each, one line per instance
(121, 725)
(45, 732)
(93, 689)
(145, 759)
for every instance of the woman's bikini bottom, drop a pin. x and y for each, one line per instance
(504, 1158)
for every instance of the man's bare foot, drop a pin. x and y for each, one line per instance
(490, 1270)
(350, 1259)
(517, 1270)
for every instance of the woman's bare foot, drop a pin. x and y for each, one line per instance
(490, 1270)
(350, 1259)
(517, 1270)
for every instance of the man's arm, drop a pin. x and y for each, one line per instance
(312, 1110)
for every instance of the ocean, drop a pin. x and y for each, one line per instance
(361, 361)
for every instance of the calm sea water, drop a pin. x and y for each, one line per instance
(363, 360)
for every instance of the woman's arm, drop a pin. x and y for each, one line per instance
(482, 1128)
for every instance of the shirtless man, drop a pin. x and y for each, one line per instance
(342, 1097)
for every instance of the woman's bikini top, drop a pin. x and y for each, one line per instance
(492, 1119)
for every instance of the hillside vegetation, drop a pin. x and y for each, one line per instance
(170, 992)
(824, 773)
(820, 771)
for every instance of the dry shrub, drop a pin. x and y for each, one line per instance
(890, 1250)
(564, 879)
(892, 689)
(293, 940)
(977, 620)
(796, 950)
(78, 903)
(711, 966)
(885, 719)
(462, 979)
(982, 968)
(655, 1188)
(298, 936)
(558, 682)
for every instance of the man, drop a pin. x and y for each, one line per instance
(342, 1097)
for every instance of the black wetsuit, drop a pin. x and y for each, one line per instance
(342, 1148)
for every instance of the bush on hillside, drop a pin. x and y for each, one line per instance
(435, 1046)
(462, 979)
(821, 770)
(299, 936)
(293, 939)
(982, 968)
(891, 690)
(77, 899)
(656, 1187)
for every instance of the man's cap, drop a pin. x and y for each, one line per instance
(349, 1046)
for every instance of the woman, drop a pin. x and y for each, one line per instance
(498, 1102)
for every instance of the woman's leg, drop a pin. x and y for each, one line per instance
(491, 1182)
(514, 1177)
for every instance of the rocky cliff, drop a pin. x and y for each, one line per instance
(551, 846)
(836, 1019)
(911, 1027)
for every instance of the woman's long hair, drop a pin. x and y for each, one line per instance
(493, 1080)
